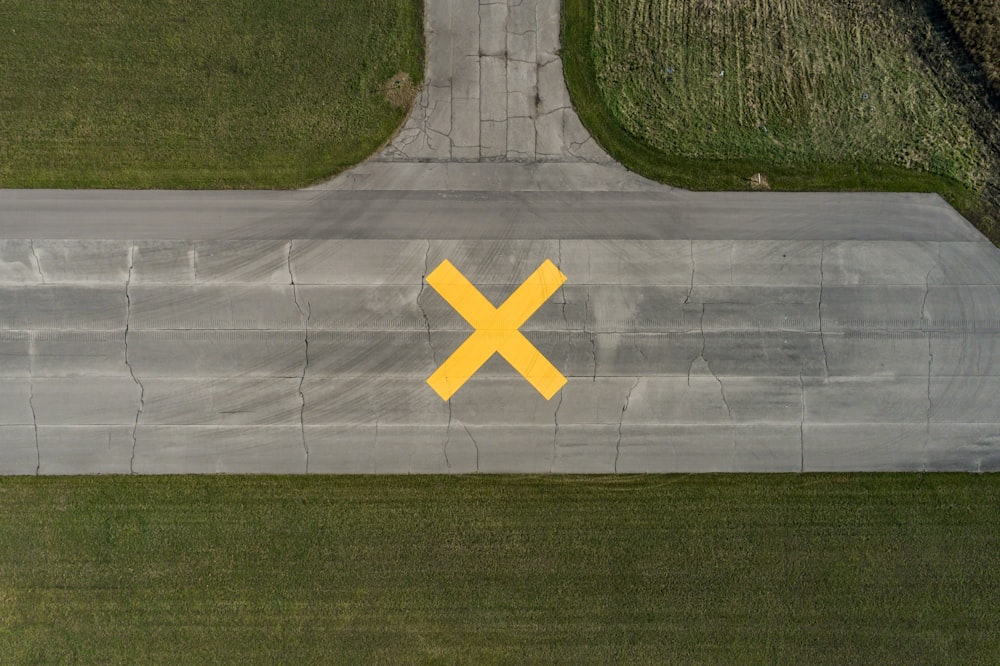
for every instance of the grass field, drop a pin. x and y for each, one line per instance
(175, 94)
(706, 569)
(833, 95)
(978, 26)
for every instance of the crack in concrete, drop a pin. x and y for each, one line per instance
(687, 299)
(375, 447)
(548, 113)
(819, 309)
(590, 334)
(701, 355)
(577, 145)
(924, 325)
(475, 444)
(447, 437)
(427, 321)
(802, 424)
(621, 421)
(307, 313)
(34, 416)
(128, 362)
(38, 262)
(555, 435)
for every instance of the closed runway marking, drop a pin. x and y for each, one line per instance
(496, 329)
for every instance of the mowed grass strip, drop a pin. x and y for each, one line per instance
(176, 94)
(655, 569)
(826, 95)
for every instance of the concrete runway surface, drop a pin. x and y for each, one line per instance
(162, 332)
(312, 356)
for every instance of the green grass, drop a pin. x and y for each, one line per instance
(766, 569)
(178, 94)
(791, 103)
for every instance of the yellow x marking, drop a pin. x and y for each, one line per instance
(496, 329)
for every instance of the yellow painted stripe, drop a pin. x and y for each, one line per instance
(496, 329)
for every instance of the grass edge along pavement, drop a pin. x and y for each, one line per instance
(577, 31)
(812, 568)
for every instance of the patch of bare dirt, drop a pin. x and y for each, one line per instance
(400, 91)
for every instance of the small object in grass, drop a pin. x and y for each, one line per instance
(864, 96)
(722, 72)
(670, 70)
(759, 181)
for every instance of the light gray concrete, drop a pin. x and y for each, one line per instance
(252, 332)
(402, 215)
(311, 356)
(494, 113)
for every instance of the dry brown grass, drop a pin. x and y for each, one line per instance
(977, 23)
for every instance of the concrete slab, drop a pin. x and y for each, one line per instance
(231, 261)
(228, 401)
(872, 447)
(18, 262)
(513, 450)
(18, 452)
(82, 260)
(15, 353)
(683, 449)
(84, 401)
(964, 447)
(210, 306)
(52, 307)
(673, 363)
(216, 353)
(16, 402)
(85, 449)
(219, 450)
(77, 354)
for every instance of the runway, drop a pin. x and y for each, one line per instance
(680, 356)
(294, 332)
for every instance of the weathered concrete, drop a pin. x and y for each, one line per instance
(311, 356)
(494, 112)
(409, 215)
(293, 332)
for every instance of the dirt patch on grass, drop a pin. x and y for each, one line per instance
(400, 91)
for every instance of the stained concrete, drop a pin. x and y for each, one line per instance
(311, 356)
(494, 112)
(263, 332)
